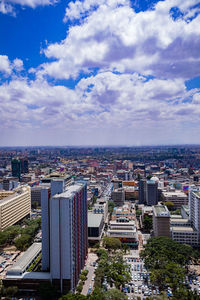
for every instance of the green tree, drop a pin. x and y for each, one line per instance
(23, 242)
(169, 204)
(147, 223)
(11, 291)
(111, 206)
(114, 294)
(111, 243)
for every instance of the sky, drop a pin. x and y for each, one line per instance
(99, 72)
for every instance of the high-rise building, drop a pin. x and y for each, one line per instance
(19, 166)
(194, 207)
(24, 165)
(152, 193)
(65, 232)
(16, 168)
(142, 191)
(161, 221)
(148, 192)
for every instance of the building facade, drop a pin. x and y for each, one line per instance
(15, 206)
(65, 239)
(161, 221)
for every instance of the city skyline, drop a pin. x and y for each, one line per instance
(99, 73)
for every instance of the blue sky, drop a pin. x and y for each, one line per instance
(99, 72)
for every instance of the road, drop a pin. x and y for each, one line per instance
(92, 257)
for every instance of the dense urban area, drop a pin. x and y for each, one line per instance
(100, 223)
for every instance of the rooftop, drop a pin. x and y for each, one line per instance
(183, 229)
(26, 259)
(161, 211)
(94, 220)
(70, 190)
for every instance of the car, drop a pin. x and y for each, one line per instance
(92, 278)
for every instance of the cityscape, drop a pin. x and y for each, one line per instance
(100, 149)
(100, 222)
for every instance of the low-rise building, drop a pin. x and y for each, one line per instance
(95, 227)
(178, 198)
(184, 235)
(124, 230)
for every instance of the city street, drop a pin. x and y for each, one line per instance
(92, 257)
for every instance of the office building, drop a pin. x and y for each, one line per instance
(16, 168)
(125, 230)
(95, 227)
(24, 165)
(14, 206)
(148, 191)
(178, 198)
(65, 232)
(142, 191)
(152, 193)
(118, 196)
(161, 221)
(36, 193)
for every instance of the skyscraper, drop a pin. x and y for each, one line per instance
(16, 168)
(148, 192)
(65, 236)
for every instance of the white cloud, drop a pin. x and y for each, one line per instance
(8, 6)
(113, 37)
(5, 65)
(18, 64)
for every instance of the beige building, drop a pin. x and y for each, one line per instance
(161, 221)
(14, 206)
(177, 197)
(184, 235)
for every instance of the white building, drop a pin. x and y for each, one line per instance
(65, 239)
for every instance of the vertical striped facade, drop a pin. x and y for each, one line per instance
(68, 238)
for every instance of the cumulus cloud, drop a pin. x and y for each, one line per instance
(149, 42)
(8, 6)
(135, 66)
(5, 66)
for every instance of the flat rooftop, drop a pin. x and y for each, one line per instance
(26, 259)
(70, 190)
(94, 220)
(161, 211)
(183, 229)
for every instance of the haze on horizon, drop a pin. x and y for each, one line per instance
(99, 72)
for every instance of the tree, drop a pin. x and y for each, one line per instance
(79, 287)
(83, 277)
(111, 243)
(167, 261)
(147, 223)
(114, 294)
(23, 242)
(169, 204)
(11, 291)
(111, 206)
